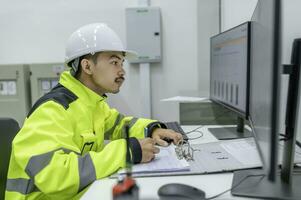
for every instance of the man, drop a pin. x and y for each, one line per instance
(60, 149)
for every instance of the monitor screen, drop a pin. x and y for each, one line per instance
(265, 81)
(229, 68)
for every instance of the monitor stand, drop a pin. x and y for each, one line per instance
(228, 133)
(253, 183)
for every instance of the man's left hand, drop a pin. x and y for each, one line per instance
(160, 134)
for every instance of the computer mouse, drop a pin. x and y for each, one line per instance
(177, 191)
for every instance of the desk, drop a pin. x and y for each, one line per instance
(212, 184)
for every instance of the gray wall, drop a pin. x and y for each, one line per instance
(235, 12)
(208, 25)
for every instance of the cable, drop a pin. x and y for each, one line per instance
(194, 138)
(235, 186)
(285, 138)
(201, 126)
(193, 131)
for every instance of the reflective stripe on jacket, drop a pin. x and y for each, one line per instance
(60, 149)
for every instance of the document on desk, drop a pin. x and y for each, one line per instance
(225, 156)
(221, 156)
(229, 155)
(244, 151)
(186, 99)
(165, 161)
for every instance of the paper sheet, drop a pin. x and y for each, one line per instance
(185, 99)
(165, 161)
(243, 150)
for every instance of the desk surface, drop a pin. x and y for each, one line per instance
(212, 184)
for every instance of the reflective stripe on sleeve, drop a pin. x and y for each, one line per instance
(21, 185)
(110, 132)
(132, 122)
(87, 173)
(39, 162)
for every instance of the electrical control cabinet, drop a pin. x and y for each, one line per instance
(143, 26)
(14, 92)
(43, 78)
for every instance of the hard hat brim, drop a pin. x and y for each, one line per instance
(131, 55)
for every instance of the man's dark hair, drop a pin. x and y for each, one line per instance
(88, 57)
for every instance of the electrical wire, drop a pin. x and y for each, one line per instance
(196, 130)
(285, 138)
(194, 138)
(193, 130)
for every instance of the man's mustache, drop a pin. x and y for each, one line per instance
(120, 78)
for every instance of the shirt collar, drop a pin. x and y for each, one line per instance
(79, 89)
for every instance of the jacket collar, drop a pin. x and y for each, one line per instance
(79, 89)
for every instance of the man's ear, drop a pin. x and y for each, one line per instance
(86, 66)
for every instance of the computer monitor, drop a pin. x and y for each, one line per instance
(265, 76)
(265, 81)
(229, 76)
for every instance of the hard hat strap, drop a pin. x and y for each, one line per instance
(74, 65)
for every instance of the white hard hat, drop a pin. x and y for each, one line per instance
(93, 38)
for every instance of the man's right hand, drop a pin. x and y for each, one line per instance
(148, 149)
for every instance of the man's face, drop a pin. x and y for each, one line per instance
(108, 73)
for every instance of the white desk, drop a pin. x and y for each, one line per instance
(212, 184)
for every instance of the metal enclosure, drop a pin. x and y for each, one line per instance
(143, 26)
(14, 92)
(43, 78)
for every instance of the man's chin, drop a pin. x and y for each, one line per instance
(115, 91)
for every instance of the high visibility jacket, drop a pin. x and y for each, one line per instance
(60, 149)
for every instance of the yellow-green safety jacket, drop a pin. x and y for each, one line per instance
(60, 149)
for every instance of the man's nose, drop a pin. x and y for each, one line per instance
(121, 72)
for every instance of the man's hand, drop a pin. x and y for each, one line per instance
(148, 149)
(160, 134)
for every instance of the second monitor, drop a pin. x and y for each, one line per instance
(229, 76)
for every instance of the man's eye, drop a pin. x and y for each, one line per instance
(114, 62)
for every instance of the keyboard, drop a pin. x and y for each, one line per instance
(177, 128)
